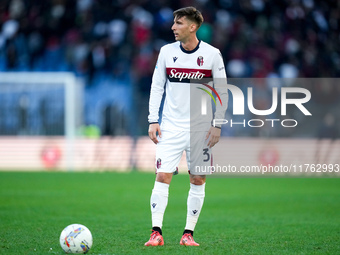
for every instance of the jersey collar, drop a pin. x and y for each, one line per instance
(190, 51)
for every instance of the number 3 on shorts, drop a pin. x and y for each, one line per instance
(206, 154)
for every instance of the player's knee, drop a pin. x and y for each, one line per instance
(197, 179)
(164, 177)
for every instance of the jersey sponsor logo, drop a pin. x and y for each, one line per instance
(187, 74)
(175, 58)
(200, 61)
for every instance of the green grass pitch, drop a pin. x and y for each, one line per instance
(240, 215)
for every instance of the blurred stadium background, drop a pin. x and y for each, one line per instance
(76, 75)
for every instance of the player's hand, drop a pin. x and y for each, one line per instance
(214, 134)
(153, 129)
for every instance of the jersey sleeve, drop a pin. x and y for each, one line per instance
(220, 84)
(157, 88)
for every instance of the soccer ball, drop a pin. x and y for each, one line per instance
(76, 238)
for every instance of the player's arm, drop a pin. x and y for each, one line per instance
(156, 94)
(220, 84)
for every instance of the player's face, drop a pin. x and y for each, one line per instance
(182, 28)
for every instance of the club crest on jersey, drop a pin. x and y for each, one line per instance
(200, 61)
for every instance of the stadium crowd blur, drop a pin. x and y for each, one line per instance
(113, 46)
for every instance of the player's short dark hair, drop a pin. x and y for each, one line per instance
(191, 13)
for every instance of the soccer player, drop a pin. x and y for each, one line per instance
(180, 64)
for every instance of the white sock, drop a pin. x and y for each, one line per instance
(194, 205)
(158, 203)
